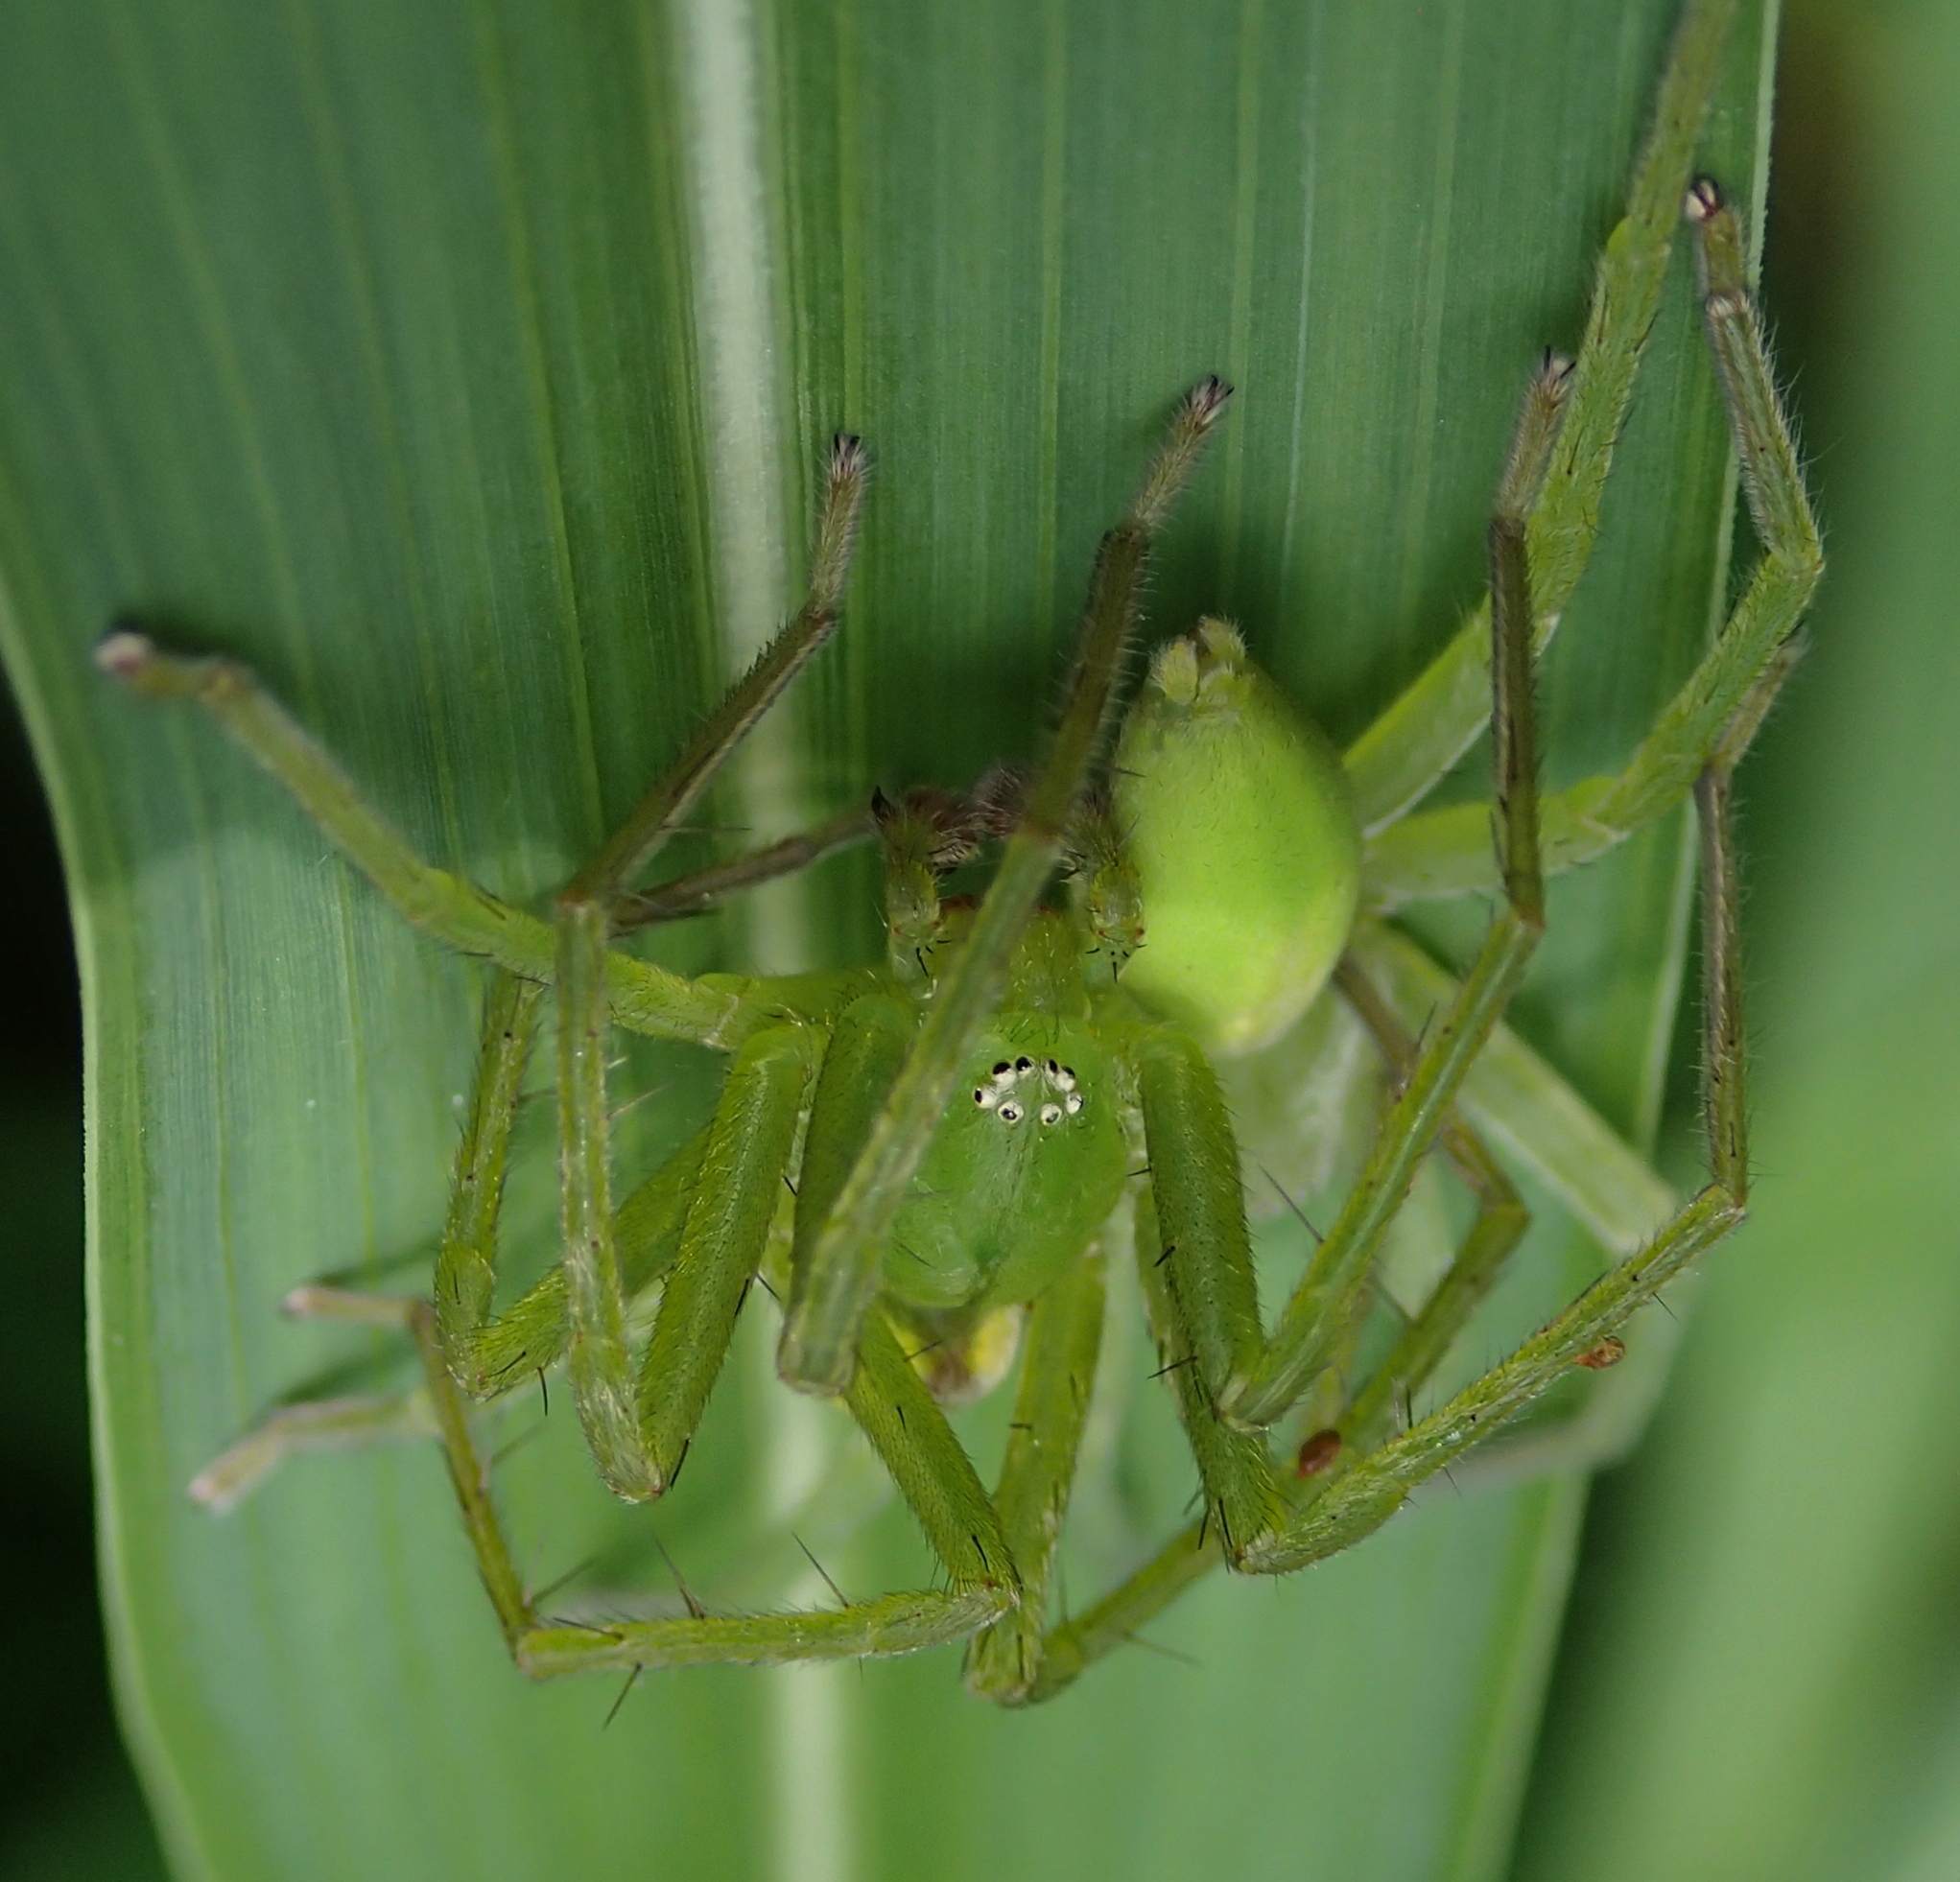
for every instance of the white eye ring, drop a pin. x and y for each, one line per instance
(1051, 1113)
(1010, 1113)
(1073, 1103)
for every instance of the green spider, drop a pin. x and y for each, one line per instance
(938, 1151)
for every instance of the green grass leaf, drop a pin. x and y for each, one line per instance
(466, 367)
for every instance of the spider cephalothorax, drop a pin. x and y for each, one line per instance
(954, 1139)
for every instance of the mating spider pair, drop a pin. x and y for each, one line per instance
(944, 1144)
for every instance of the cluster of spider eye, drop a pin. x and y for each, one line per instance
(999, 1094)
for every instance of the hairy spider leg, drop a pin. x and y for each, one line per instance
(643, 997)
(1349, 1504)
(1242, 1499)
(640, 1433)
(465, 1269)
(466, 1253)
(1361, 1500)
(1512, 1098)
(546, 1647)
(1194, 1254)
(639, 1437)
(1519, 1101)
(829, 1304)
(308, 1426)
(934, 1476)
(1340, 1266)
(1322, 1309)
(1499, 1226)
(704, 889)
(646, 827)
(861, 1213)
(1199, 1196)
(484, 1355)
(1059, 1350)
(1438, 852)
(1418, 737)
(1339, 1508)
(1239, 1463)
(533, 1331)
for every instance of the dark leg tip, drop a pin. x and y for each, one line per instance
(1555, 372)
(124, 651)
(1703, 199)
(848, 456)
(1208, 397)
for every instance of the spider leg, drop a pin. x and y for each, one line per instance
(1194, 1255)
(1242, 1458)
(1516, 1100)
(1359, 1502)
(750, 1143)
(546, 1648)
(1058, 1372)
(646, 827)
(1418, 738)
(503, 1354)
(1323, 1301)
(1339, 1508)
(1501, 1219)
(930, 1466)
(1722, 702)
(485, 1355)
(314, 1424)
(1197, 1193)
(533, 1330)
(704, 890)
(830, 1299)
(963, 996)
(639, 1437)
(466, 1255)
(642, 997)
(1242, 1502)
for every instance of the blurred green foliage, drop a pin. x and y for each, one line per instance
(1760, 1675)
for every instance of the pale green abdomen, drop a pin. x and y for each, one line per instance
(1238, 821)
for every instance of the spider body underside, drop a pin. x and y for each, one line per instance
(929, 1162)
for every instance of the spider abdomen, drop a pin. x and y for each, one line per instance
(1238, 821)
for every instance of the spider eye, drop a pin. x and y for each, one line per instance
(1003, 1069)
(1051, 1113)
(1073, 1103)
(983, 1097)
(1010, 1113)
(1024, 1065)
